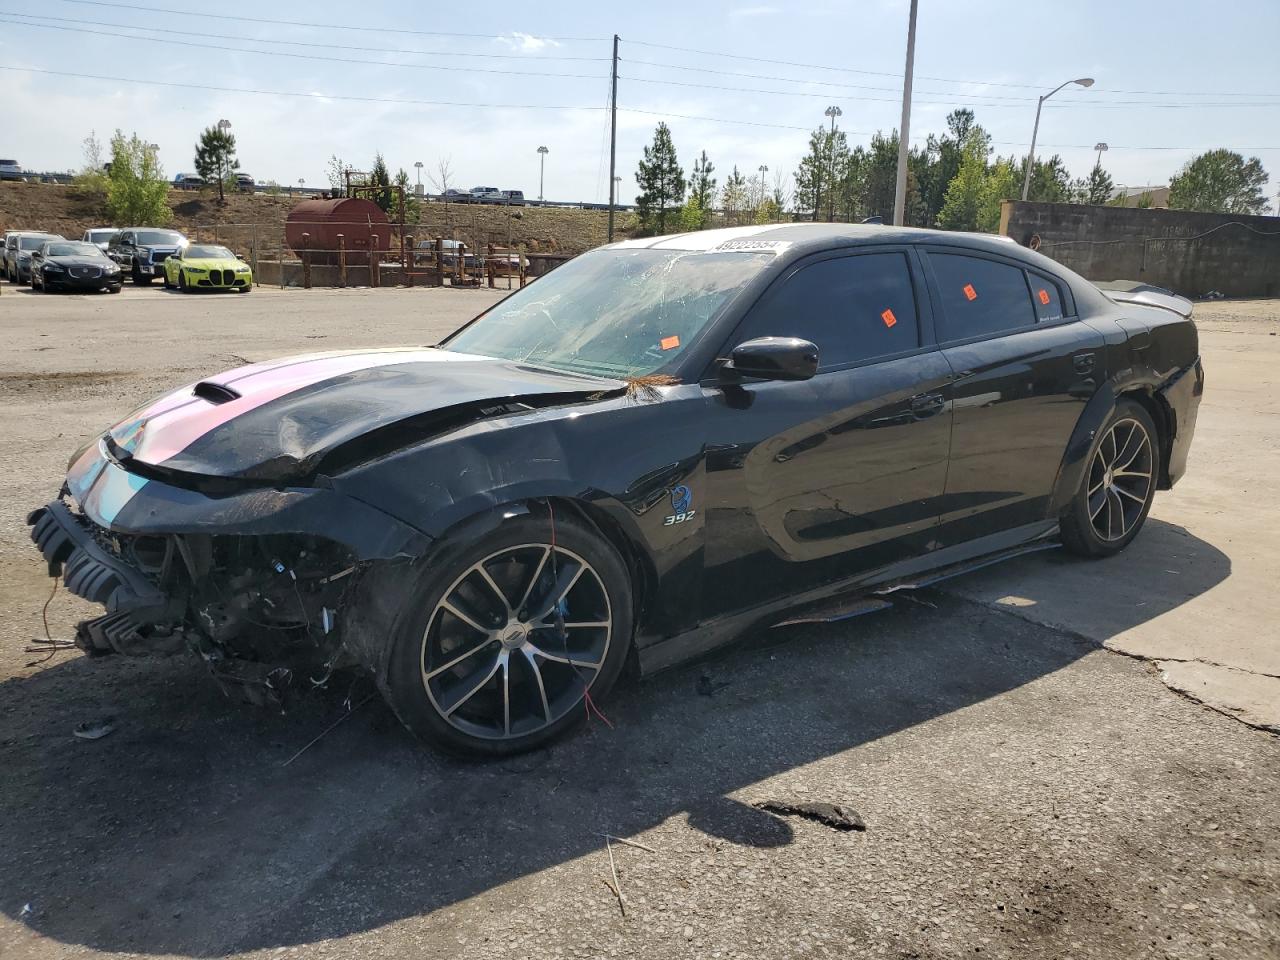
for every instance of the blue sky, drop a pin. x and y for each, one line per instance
(1175, 74)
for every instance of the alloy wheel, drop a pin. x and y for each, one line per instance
(1120, 479)
(516, 641)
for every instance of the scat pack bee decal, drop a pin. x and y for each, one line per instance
(681, 500)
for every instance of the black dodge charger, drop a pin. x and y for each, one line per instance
(73, 265)
(629, 461)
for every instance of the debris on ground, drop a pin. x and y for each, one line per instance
(709, 688)
(95, 729)
(834, 815)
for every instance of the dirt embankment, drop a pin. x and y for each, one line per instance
(69, 211)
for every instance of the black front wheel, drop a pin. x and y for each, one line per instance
(503, 638)
(1119, 486)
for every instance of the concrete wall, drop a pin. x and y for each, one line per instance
(1189, 253)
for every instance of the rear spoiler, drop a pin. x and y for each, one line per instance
(1129, 291)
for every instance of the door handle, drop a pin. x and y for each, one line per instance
(927, 405)
(1083, 362)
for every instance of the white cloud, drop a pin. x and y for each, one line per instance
(526, 42)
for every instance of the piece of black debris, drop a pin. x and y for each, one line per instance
(834, 815)
(94, 729)
(708, 687)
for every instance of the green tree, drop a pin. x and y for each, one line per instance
(820, 172)
(691, 215)
(1098, 187)
(137, 191)
(412, 206)
(661, 181)
(380, 178)
(1050, 181)
(966, 191)
(881, 179)
(702, 185)
(1000, 183)
(216, 158)
(735, 198)
(1220, 181)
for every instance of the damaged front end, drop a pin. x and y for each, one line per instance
(263, 612)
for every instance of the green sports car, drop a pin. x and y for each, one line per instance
(206, 266)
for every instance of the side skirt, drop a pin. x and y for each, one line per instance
(911, 574)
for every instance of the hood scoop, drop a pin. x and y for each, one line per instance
(214, 393)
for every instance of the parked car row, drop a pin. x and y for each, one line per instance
(105, 256)
(484, 195)
(193, 181)
(47, 261)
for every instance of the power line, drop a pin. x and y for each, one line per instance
(956, 98)
(306, 96)
(940, 93)
(302, 56)
(529, 106)
(896, 76)
(203, 15)
(303, 43)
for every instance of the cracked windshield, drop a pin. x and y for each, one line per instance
(613, 313)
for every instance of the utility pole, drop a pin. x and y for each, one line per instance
(904, 128)
(613, 138)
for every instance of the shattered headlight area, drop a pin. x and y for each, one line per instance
(263, 612)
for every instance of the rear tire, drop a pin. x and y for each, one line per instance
(503, 676)
(1118, 486)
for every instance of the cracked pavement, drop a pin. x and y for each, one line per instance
(1026, 792)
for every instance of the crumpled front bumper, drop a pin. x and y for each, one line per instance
(125, 502)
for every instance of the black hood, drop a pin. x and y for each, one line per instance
(284, 421)
(81, 260)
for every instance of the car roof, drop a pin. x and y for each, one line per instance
(810, 236)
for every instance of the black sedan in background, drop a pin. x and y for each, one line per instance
(73, 265)
(652, 448)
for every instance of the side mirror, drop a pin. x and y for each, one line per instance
(773, 358)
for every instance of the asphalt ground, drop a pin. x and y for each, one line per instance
(1027, 791)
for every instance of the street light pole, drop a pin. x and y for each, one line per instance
(542, 168)
(832, 111)
(1100, 147)
(1031, 154)
(417, 164)
(904, 128)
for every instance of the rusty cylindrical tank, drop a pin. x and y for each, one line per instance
(357, 219)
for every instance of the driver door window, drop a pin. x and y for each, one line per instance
(854, 308)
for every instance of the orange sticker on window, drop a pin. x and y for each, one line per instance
(1044, 297)
(888, 318)
(969, 292)
(669, 343)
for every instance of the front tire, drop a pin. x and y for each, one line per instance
(138, 279)
(502, 636)
(1118, 487)
(182, 281)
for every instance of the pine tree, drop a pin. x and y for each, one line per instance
(1097, 189)
(702, 185)
(661, 181)
(381, 177)
(216, 158)
(734, 199)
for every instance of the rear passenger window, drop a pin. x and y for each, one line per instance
(1047, 298)
(980, 297)
(854, 308)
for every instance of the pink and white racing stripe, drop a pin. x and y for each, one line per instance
(169, 425)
